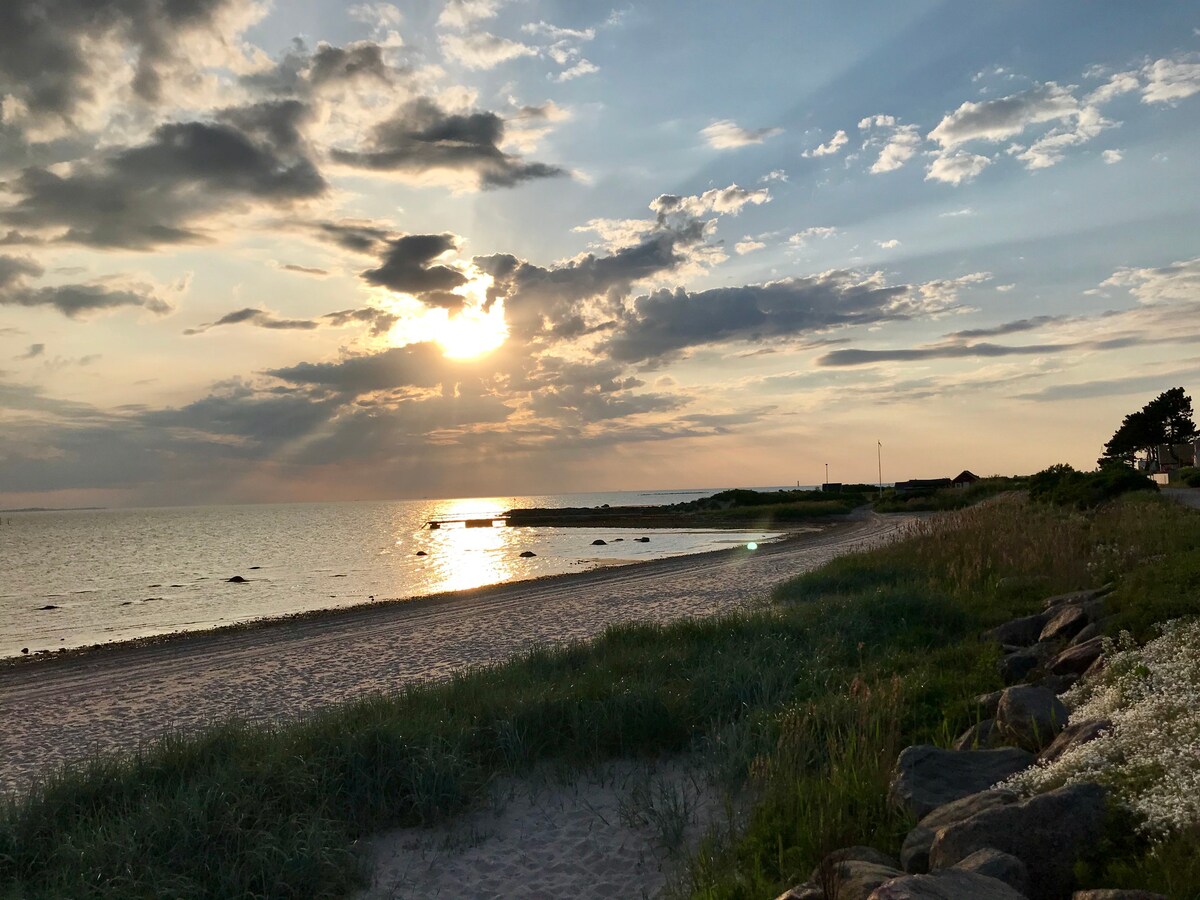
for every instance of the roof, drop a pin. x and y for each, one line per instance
(966, 475)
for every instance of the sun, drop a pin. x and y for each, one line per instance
(471, 332)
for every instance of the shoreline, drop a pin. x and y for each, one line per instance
(66, 708)
(47, 658)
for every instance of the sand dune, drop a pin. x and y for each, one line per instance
(111, 699)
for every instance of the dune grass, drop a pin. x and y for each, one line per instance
(806, 701)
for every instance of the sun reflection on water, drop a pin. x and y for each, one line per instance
(461, 557)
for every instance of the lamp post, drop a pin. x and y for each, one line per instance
(879, 459)
(827, 475)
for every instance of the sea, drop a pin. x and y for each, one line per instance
(75, 578)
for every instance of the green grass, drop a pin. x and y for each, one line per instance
(805, 702)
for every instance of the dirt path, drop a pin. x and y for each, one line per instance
(66, 709)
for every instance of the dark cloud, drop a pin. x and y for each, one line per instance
(363, 59)
(359, 236)
(1019, 325)
(49, 59)
(381, 321)
(260, 318)
(950, 351)
(414, 365)
(151, 194)
(303, 270)
(421, 137)
(72, 300)
(1134, 384)
(35, 350)
(540, 300)
(406, 266)
(666, 322)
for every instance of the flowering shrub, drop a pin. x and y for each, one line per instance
(1150, 758)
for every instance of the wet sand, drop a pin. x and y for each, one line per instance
(115, 698)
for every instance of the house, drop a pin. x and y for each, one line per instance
(1175, 456)
(965, 478)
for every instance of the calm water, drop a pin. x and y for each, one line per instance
(121, 574)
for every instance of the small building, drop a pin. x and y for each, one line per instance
(1175, 456)
(832, 487)
(965, 478)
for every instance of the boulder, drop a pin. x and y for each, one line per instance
(1072, 736)
(527, 554)
(1089, 631)
(987, 703)
(48, 606)
(857, 853)
(914, 855)
(1015, 666)
(949, 884)
(1059, 684)
(642, 540)
(421, 553)
(806, 891)
(599, 542)
(1076, 660)
(1030, 717)
(1095, 609)
(927, 777)
(1066, 622)
(1001, 866)
(856, 879)
(980, 736)
(236, 579)
(1111, 894)
(1047, 833)
(1077, 596)
(1019, 632)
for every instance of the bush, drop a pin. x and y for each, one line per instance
(1063, 485)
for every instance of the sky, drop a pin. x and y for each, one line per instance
(296, 251)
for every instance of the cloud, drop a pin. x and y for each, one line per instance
(901, 145)
(407, 269)
(152, 194)
(748, 245)
(1177, 283)
(381, 321)
(816, 232)
(773, 175)
(996, 120)
(422, 140)
(34, 351)
(1171, 80)
(665, 322)
(581, 68)
(956, 167)
(480, 50)
(1014, 327)
(413, 365)
(954, 213)
(726, 134)
(304, 270)
(727, 201)
(465, 13)
(950, 351)
(357, 235)
(73, 300)
(833, 146)
(63, 63)
(260, 318)
(888, 245)
(1112, 157)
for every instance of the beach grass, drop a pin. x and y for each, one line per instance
(801, 705)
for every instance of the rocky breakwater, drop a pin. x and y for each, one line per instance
(974, 839)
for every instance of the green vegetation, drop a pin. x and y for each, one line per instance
(767, 507)
(1165, 420)
(806, 702)
(1064, 486)
(948, 498)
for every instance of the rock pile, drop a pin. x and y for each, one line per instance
(973, 840)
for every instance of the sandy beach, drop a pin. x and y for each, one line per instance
(68, 708)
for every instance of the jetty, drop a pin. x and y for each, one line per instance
(482, 522)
